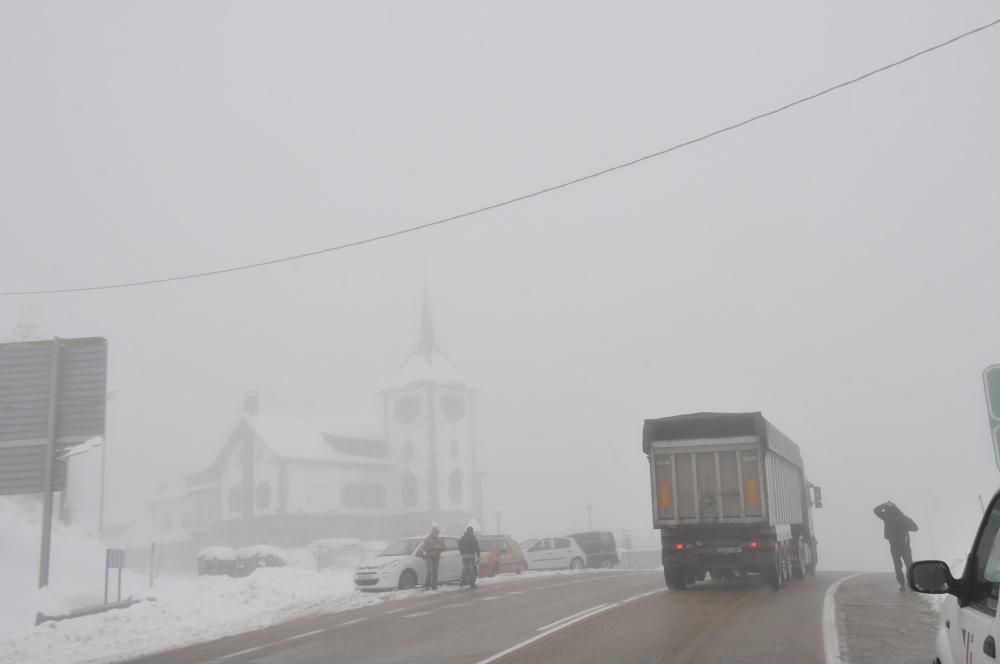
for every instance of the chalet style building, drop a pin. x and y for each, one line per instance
(287, 480)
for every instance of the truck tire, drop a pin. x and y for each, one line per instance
(803, 552)
(774, 575)
(798, 569)
(675, 578)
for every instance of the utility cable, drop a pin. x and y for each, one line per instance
(533, 194)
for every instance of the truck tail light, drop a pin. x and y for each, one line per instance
(678, 547)
(754, 544)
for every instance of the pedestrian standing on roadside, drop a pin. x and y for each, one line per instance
(468, 546)
(897, 529)
(432, 547)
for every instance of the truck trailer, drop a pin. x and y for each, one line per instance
(730, 498)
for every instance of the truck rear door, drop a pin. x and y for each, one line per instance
(715, 482)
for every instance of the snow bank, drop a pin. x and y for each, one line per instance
(178, 611)
(187, 610)
(77, 566)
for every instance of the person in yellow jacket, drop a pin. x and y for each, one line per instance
(431, 550)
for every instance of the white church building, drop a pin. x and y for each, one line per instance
(288, 480)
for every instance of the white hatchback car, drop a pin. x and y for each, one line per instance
(969, 627)
(555, 553)
(400, 565)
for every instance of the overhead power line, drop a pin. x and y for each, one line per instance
(533, 194)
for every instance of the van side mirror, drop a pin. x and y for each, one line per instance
(932, 577)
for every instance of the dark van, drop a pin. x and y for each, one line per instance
(599, 545)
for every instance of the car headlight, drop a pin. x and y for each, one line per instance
(389, 566)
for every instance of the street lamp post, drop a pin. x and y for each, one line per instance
(590, 523)
(497, 515)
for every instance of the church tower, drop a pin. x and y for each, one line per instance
(429, 424)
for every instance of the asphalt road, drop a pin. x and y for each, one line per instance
(615, 616)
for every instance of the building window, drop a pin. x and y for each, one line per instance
(166, 523)
(454, 449)
(408, 451)
(407, 409)
(363, 494)
(455, 486)
(186, 520)
(263, 495)
(236, 499)
(409, 485)
(259, 453)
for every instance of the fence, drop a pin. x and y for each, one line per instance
(158, 558)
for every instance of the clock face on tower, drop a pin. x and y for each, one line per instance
(453, 407)
(406, 409)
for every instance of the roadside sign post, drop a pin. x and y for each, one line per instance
(991, 382)
(52, 397)
(50, 458)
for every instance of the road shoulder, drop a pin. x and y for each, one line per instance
(880, 624)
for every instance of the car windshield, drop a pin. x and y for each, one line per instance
(490, 544)
(400, 548)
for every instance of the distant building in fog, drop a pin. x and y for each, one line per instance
(289, 480)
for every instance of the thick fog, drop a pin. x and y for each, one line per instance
(834, 266)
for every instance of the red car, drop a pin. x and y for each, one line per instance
(499, 554)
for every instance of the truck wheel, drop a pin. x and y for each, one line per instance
(675, 578)
(774, 575)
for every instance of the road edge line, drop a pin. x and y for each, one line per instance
(831, 636)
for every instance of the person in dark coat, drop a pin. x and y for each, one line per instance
(468, 546)
(897, 529)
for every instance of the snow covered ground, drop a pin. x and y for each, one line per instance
(187, 610)
(182, 610)
(195, 609)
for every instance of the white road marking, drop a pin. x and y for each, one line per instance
(243, 652)
(417, 614)
(516, 592)
(561, 625)
(487, 599)
(575, 615)
(635, 597)
(389, 613)
(352, 622)
(831, 639)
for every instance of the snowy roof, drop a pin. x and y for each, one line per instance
(426, 366)
(294, 437)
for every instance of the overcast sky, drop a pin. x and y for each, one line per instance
(834, 266)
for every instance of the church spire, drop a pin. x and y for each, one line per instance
(427, 343)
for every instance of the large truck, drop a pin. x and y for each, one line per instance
(730, 498)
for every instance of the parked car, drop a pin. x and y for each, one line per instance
(337, 552)
(969, 624)
(250, 558)
(400, 565)
(555, 553)
(600, 548)
(499, 554)
(216, 561)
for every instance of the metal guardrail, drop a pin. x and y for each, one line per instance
(87, 611)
